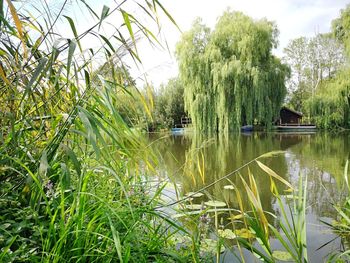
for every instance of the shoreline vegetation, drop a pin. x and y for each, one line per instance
(76, 178)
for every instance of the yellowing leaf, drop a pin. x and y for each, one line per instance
(18, 24)
(273, 174)
(3, 76)
(271, 154)
(236, 217)
(244, 233)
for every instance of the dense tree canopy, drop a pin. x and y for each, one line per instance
(330, 107)
(320, 83)
(312, 60)
(229, 75)
(170, 103)
(341, 27)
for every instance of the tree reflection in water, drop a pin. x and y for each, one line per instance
(195, 160)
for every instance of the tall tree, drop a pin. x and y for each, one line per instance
(170, 103)
(229, 75)
(330, 107)
(312, 60)
(341, 28)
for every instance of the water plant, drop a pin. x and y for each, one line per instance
(341, 226)
(249, 227)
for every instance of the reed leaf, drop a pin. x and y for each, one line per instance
(74, 30)
(104, 14)
(346, 178)
(270, 172)
(19, 26)
(71, 49)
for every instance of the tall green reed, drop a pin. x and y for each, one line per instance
(73, 187)
(249, 226)
(341, 226)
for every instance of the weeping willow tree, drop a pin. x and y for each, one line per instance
(230, 75)
(330, 108)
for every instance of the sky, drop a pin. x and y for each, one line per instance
(294, 18)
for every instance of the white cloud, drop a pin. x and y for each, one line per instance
(294, 18)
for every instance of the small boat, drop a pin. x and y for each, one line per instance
(177, 131)
(247, 128)
(299, 127)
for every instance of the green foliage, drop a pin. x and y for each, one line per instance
(71, 184)
(312, 60)
(341, 226)
(330, 107)
(243, 219)
(170, 103)
(341, 27)
(229, 75)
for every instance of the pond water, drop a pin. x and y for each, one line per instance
(194, 161)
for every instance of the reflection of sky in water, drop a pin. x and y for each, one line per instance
(320, 156)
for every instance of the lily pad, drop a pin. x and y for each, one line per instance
(227, 233)
(177, 238)
(186, 214)
(193, 194)
(229, 187)
(178, 215)
(215, 203)
(197, 195)
(194, 207)
(282, 255)
(244, 233)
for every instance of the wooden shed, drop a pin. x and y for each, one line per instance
(289, 116)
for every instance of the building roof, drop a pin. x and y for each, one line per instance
(293, 111)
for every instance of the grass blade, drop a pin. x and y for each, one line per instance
(128, 25)
(19, 27)
(104, 14)
(71, 49)
(346, 174)
(270, 172)
(3, 76)
(167, 14)
(74, 30)
(116, 239)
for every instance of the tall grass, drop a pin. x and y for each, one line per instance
(247, 225)
(72, 171)
(341, 226)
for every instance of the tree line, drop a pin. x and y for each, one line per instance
(229, 77)
(320, 85)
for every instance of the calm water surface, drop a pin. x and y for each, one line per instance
(193, 161)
